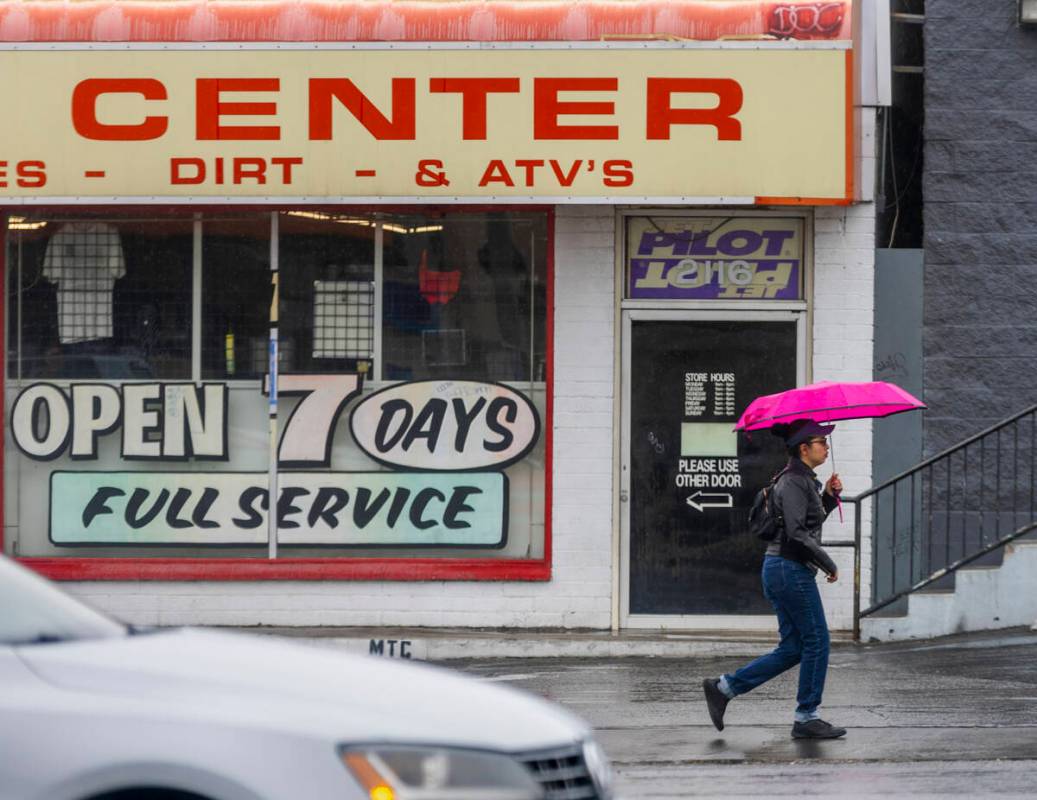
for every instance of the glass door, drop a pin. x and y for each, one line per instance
(687, 479)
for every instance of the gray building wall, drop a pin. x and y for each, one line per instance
(897, 440)
(980, 189)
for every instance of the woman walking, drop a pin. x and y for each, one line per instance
(789, 582)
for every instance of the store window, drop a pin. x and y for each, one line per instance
(461, 298)
(327, 292)
(99, 298)
(235, 297)
(410, 391)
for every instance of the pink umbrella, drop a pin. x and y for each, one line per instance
(828, 401)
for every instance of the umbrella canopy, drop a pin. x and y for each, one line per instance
(828, 401)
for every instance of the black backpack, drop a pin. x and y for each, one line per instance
(764, 522)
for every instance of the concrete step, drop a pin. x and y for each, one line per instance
(984, 598)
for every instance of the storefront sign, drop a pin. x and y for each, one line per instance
(433, 425)
(229, 508)
(714, 258)
(665, 120)
(158, 421)
(446, 425)
(442, 432)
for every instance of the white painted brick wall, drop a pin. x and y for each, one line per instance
(844, 338)
(579, 594)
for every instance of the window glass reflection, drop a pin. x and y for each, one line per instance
(99, 298)
(464, 297)
(235, 297)
(327, 292)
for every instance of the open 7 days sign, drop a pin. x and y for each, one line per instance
(446, 443)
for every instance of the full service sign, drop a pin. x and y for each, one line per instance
(714, 258)
(327, 508)
(610, 121)
(446, 444)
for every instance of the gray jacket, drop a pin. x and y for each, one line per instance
(803, 508)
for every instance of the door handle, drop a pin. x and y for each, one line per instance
(623, 496)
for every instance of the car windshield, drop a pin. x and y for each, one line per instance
(32, 611)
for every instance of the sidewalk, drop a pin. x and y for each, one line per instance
(952, 717)
(445, 644)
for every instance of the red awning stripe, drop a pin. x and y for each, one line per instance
(417, 20)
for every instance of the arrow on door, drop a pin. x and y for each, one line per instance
(700, 501)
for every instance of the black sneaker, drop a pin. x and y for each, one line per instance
(716, 701)
(816, 729)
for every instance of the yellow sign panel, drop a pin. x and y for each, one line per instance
(497, 124)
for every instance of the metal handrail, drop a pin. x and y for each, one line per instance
(923, 507)
(940, 456)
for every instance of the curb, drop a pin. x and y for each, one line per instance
(424, 644)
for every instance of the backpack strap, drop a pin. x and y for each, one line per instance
(778, 518)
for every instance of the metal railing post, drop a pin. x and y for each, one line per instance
(857, 571)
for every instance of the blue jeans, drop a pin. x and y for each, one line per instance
(792, 589)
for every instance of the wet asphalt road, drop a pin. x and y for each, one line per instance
(955, 717)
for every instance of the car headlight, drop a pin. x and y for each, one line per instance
(598, 767)
(389, 772)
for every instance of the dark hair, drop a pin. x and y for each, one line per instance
(781, 430)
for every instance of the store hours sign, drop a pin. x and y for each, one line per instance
(446, 444)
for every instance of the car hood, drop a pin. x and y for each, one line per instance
(258, 681)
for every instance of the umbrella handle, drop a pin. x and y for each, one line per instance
(838, 500)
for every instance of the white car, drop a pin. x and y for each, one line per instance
(91, 709)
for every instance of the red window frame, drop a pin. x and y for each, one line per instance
(75, 568)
